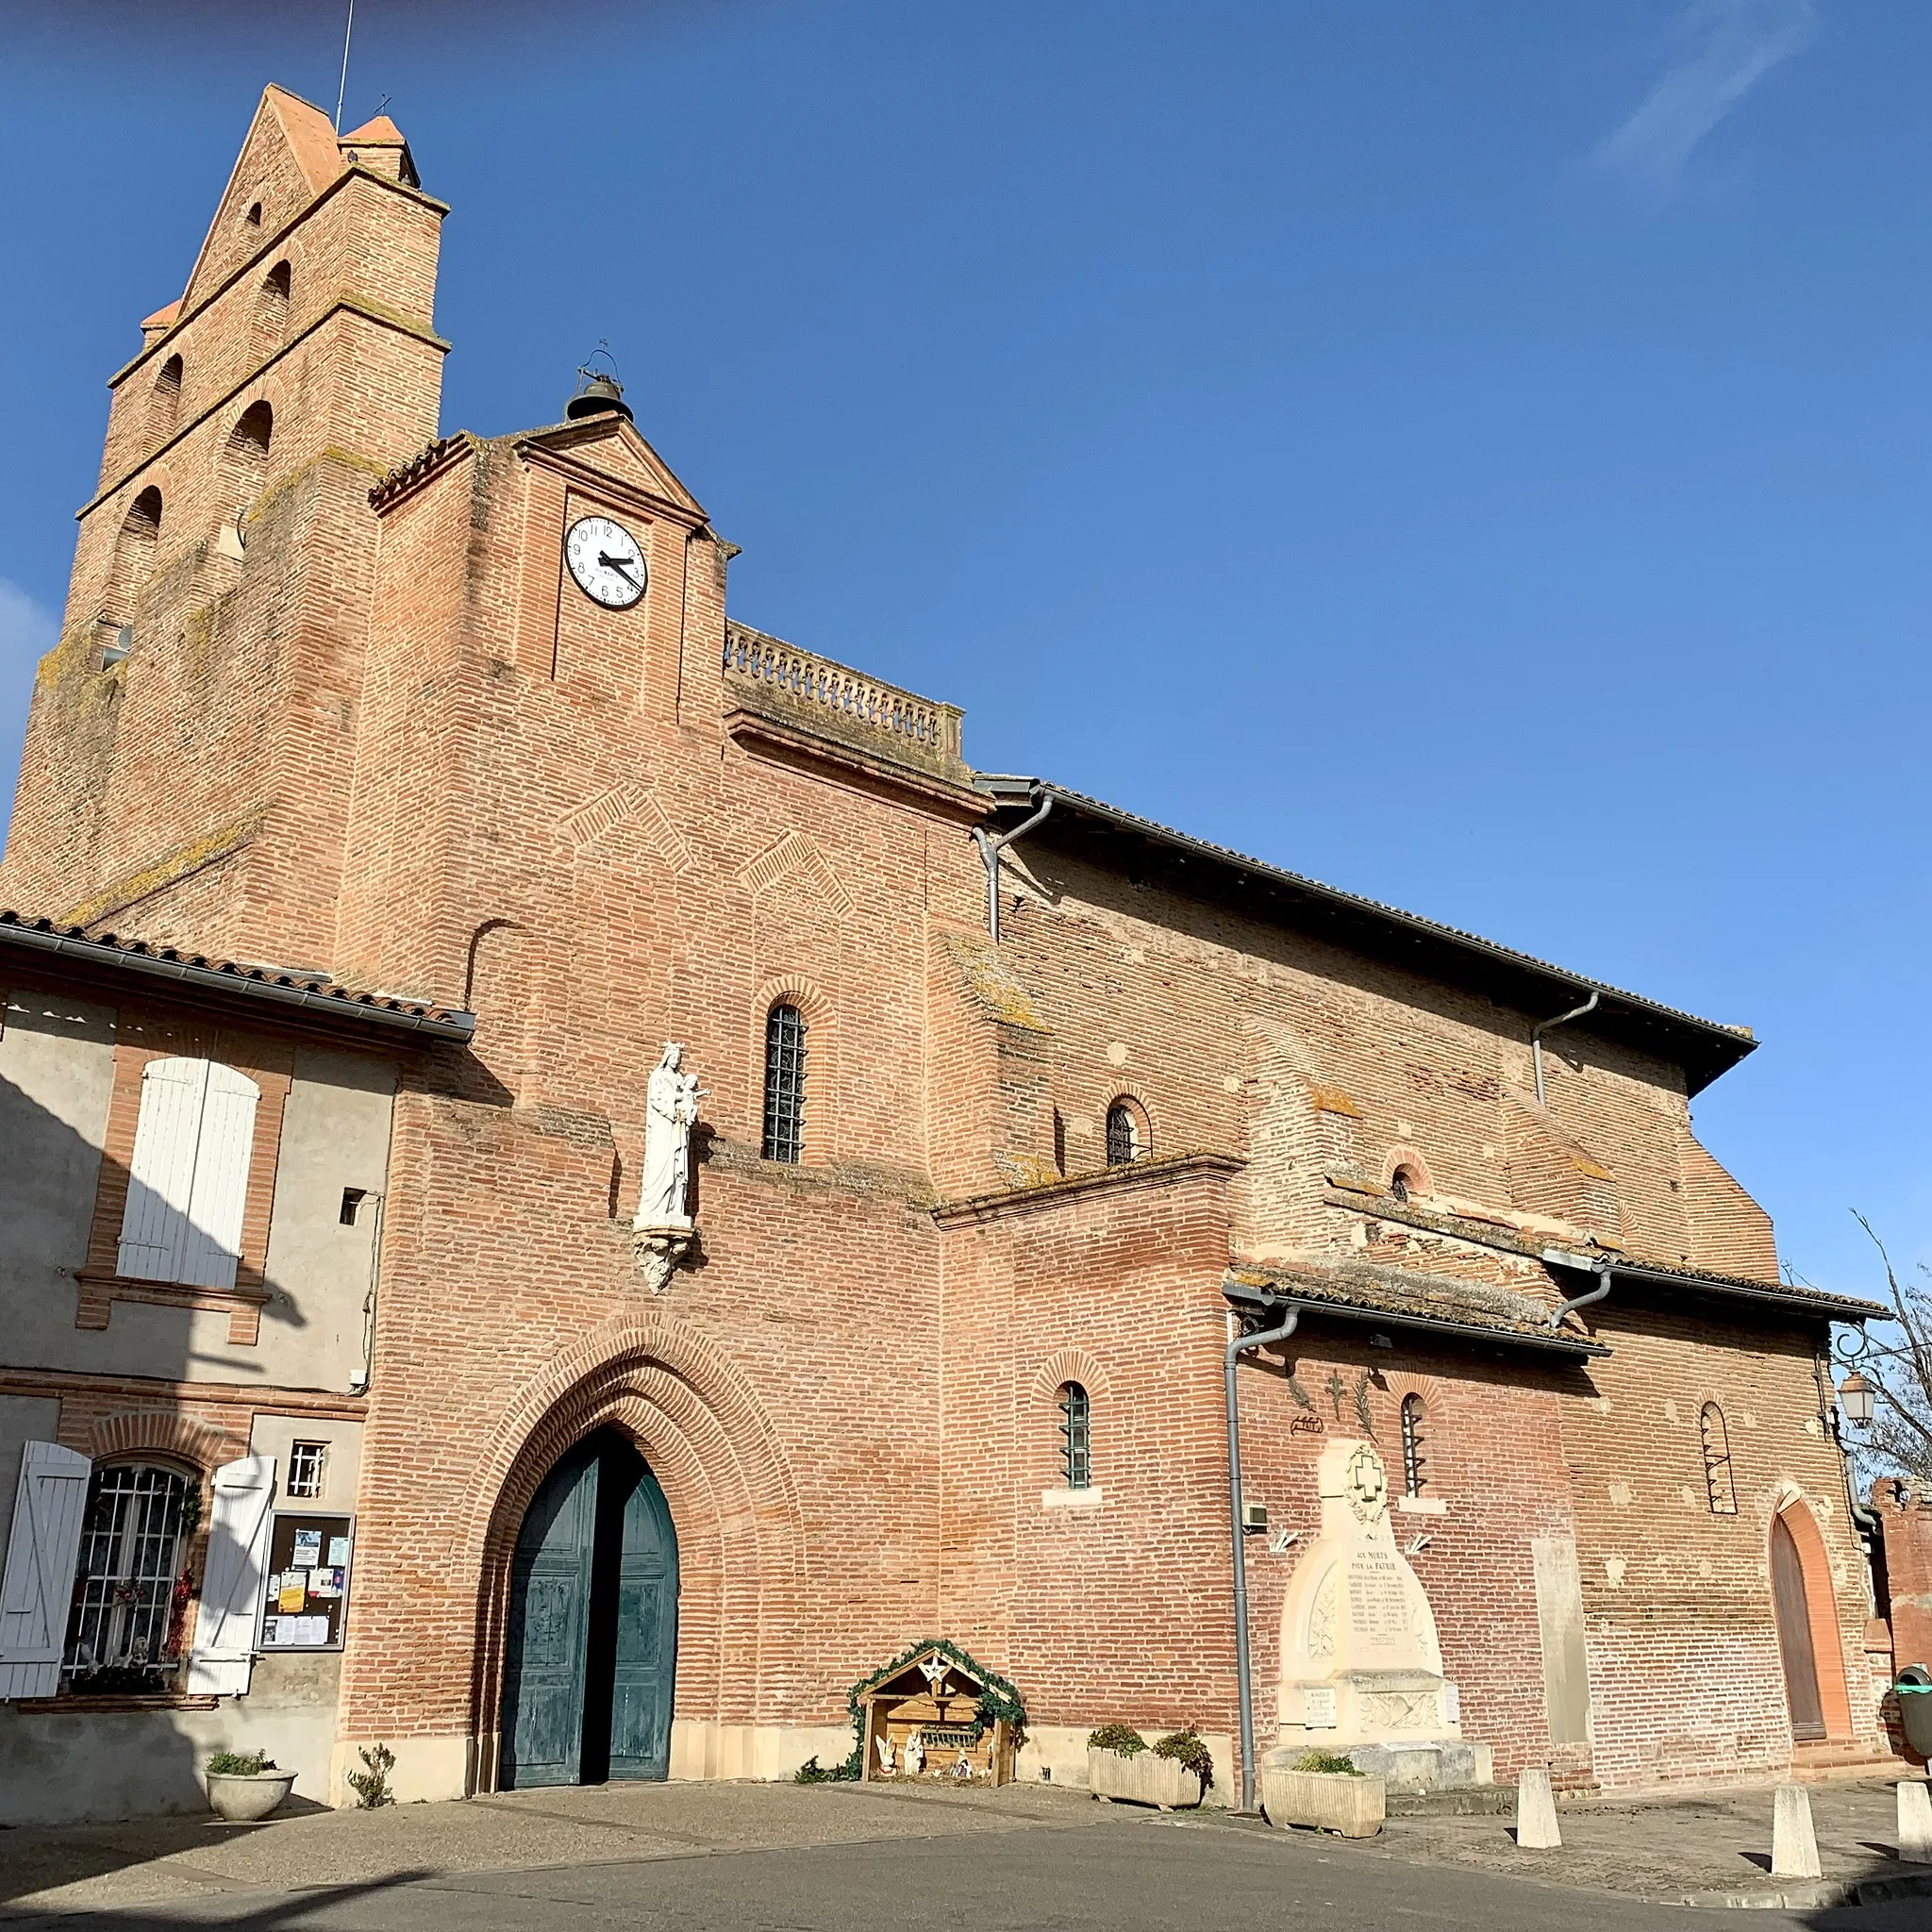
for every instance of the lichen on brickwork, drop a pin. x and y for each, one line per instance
(993, 984)
(133, 886)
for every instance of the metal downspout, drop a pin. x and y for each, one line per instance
(990, 845)
(1602, 1271)
(1536, 1040)
(1241, 1345)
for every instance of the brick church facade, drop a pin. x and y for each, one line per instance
(998, 1150)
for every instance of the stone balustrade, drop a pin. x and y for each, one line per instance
(910, 724)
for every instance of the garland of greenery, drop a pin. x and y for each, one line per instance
(998, 1700)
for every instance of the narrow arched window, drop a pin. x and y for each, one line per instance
(784, 1084)
(164, 402)
(1402, 1184)
(1076, 1417)
(1125, 1140)
(271, 299)
(187, 1178)
(1415, 1462)
(138, 1517)
(244, 462)
(1719, 1482)
(134, 556)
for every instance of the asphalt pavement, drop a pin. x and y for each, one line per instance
(1068, 1867)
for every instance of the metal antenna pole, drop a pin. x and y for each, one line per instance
(343, 89)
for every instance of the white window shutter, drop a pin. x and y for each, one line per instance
(154, 1228)
(37, 1589)
(231, 1592)
(220, 1192)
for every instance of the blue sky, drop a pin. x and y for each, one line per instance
(1475, 454)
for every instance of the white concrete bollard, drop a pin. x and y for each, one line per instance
(1536, 1811)
(1793, 1844)
(1915, 1821)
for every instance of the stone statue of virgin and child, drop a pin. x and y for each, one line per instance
(671, 1111)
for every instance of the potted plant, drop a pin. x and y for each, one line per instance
(243, 1785)
(1324, 1792)
(1172, 1774)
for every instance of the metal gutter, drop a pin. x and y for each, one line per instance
(458, 1027)
(1574, 1347)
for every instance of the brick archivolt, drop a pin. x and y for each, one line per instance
(1070, 1365)
(735, 1507)
(158, 1432)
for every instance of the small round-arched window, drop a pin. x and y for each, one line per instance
(1415, 1465)
(784, 1135)
(1402, 1183)
(1127, 1139)
(1077, 1426)
(1719, 1482)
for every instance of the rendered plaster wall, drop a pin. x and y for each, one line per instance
(58, 1074)
(71, 1764)
(56, 1071)
(23, 1419)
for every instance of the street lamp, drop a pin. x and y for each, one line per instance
(1855, 1395)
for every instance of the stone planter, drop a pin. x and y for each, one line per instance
(244, 1798)
(1142, 1779)
(1325, 1800)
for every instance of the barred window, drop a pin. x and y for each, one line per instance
(138, 1517)
(784, 1084)
(1415, 1468)
(1122, 1135)
(306, 1462)
(1076, 1459)
(1718, 1480)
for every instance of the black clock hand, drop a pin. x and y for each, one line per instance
(616, 563)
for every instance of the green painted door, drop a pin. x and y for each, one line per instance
(549, 1628)
(646, 1633)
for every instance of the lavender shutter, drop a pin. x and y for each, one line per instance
(154, 1226)
(231, 1588)
(220, 1192)
(37, 1590)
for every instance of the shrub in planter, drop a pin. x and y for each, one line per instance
(1188, 1750)
(243, 1785)
(1324, 1792)
(1120, 1765)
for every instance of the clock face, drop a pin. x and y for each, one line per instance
(605, 559)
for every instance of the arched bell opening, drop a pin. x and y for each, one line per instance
(591, 1631)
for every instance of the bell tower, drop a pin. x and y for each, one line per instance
(191, 744)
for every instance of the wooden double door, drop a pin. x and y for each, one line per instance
(591, 1655)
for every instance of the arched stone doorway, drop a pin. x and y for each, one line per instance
(590, 1642)
(1807, 1634)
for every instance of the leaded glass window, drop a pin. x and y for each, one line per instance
(1076, 1459)
(784, 1084)
(137, 1519)
(1122, 1135)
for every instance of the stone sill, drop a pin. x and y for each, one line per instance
(1071, 1499)
(75, 1705)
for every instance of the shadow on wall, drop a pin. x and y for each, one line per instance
(108, 1564)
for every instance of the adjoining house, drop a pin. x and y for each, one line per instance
(1015, 1111)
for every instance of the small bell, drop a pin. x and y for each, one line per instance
(599, 394)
